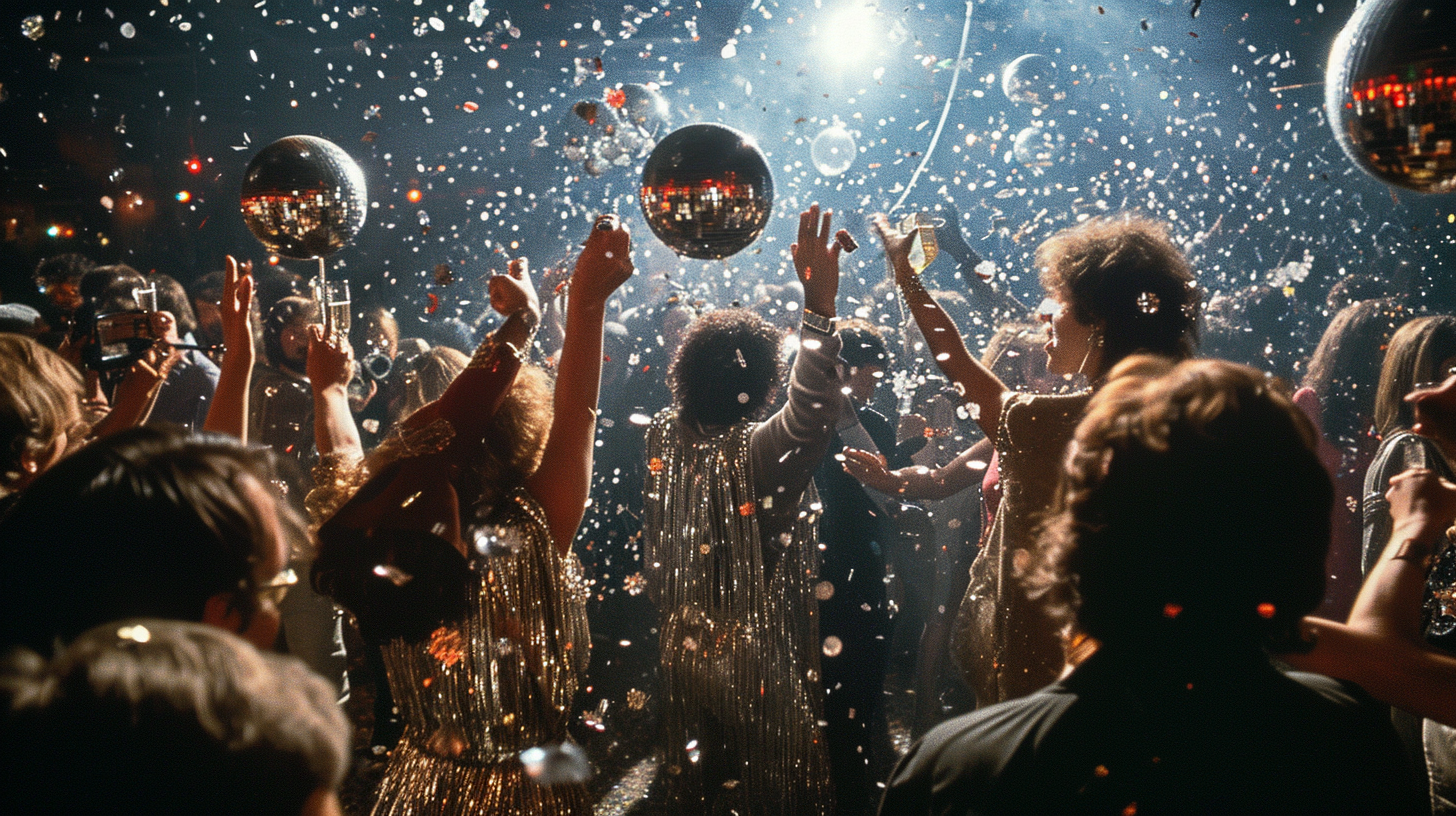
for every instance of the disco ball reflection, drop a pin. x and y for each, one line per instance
(304, 197)
(1390, 92)
(706, 191)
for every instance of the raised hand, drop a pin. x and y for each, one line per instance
(605, 262)
(236, 307)
(816, 260)
(330, 359)
(897, 247)
(512, 292)
(871, 470)
(1422, 505)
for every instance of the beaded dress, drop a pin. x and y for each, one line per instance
(1005, 643)
(740, 668)
(483, 645)
(729, 530)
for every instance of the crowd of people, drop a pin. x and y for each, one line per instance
(256, 563)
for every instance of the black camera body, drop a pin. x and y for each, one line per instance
(119, 339)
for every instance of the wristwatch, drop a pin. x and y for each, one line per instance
(818, 322)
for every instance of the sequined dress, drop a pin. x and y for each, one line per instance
(740, 668)
(476, 693)
(1004, 642)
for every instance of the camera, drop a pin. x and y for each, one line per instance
(119, 339)
(375, 366)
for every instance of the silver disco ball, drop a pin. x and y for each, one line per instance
(1390, 92)
(706, 191)
(303, 197)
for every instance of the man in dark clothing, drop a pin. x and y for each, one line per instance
(1178, 588)
(854, 611)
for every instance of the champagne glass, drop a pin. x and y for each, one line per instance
(923, 247)
(334, 301)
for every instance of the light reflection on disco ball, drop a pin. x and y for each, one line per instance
(1390, 92)
(1031, 79)
(303, 197)
(1036, 147)
(706, 191)
(833, 150)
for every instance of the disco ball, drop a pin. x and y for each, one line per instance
(706, 191)
(1390, 92)
(1031, 79)
(833, 150)
(303, 197)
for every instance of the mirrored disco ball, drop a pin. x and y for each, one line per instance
(706, 191)
(833, 150)
(303, 197)
(1031, 79)
(1390, 92)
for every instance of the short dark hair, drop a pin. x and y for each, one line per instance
(862, 344)
(171, 297)
(280, 317)
(148, 522)
(67, 266)
(1125, 274)
(151, 716)
(1192, 504)
(111, 288)
(727, 368)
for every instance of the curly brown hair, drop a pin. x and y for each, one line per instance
(727, 368)
(1125, 274)
(1192, 504)
(40, 398)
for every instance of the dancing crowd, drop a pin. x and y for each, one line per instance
(256, 562)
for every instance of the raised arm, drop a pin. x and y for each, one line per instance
(915, 482)
(788, 446)
(1381, 646)
(977, 385)
(330, 365)
(229, 410)
(562, 482)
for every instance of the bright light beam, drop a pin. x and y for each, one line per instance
(949, 97)
(850, 34)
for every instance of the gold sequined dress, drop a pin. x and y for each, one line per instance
(478, 692)
(1004, 642)
(740, 669)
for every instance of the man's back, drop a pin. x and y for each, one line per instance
(1110, 738)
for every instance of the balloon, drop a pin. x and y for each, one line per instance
(303, 197)
(706, 191)
(1390, 92)
(1036, 147)
(833, 150)
(1032, 79)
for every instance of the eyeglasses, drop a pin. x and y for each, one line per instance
(276, 588)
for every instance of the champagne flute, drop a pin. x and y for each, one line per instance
(923, 247)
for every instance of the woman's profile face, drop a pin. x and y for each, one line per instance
(1068, 339)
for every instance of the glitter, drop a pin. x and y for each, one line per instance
(1148, 303)
(447, 646)
(745, 509)
(655, 465)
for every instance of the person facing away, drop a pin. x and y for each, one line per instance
(151, 716)
(730, 540)
(1179, 710)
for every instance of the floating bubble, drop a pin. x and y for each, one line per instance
(556, 764)
(1036, 147)
(645, 107)
(128, 30)
(1031, 79)
(823, 591)
(833, 150)
(833, 646)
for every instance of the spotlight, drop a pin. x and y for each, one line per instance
(414, 196)
(194, 165)
(184, 196)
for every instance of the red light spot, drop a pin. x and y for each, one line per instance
(194, 165)
(745, 509)
(1172, 610)
(434, 303)
(470, 107)
(1266, 610)
(616, 97)
(655, 465)
(414, 196)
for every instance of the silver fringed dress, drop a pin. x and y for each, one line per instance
(729, 530)
(478, 692)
